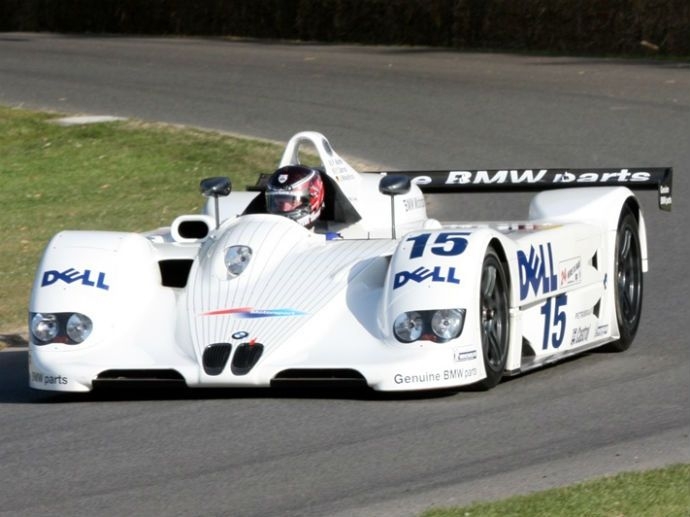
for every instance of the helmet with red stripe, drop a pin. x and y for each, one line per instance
(297, 192)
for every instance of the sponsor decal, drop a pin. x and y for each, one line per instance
(460, 356)
(251, 312)
(525, 227)
(580, 335)
(282, 178)
(446, 244)
(583, 314)
(421, 274)
(459, 373)
(555, 319)
(413, 204)
(501, 176)
(621, 176)
(432, 377)
(601, 330)
(532, 176)
(420, 378)
(570, 272)
(537, 271)
(39, 378)
(345, 176)
(69, 276)
(240, 334)
(665, 196)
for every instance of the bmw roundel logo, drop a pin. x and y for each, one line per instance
(241, 334)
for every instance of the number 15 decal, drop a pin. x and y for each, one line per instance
(447, 244)
(554, 320)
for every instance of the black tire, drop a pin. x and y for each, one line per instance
(494, 319)
(628, 280)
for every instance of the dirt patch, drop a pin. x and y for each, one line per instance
(13, 340)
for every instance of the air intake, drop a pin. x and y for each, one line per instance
(139, 378)
(246, 356)
(191, 228)
(175, 272)
(330, 377)
(215, 357)
(140, 375)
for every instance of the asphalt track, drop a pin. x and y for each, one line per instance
(334, 453)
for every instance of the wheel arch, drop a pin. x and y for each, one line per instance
(514, 358)
(633, 204)
(498, 247)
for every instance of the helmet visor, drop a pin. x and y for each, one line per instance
(285, 202)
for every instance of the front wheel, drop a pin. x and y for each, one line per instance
(628, 281)
(494, 321)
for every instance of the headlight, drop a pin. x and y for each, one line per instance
(44, 327)
(438, 326)
(237, 259)
(78, 327)
(70, 328)
(408, 326)
(447, 323)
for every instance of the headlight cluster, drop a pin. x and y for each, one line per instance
(438, 325)
(237, 259)
(70, 328)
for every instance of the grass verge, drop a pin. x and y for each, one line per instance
(124, 176)
(655, 493)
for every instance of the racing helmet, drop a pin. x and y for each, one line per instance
(297, 192)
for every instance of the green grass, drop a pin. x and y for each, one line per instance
(655, 493)
(125, 176)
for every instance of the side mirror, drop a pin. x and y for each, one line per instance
(220, 186)
(392, 185)
(216, 187)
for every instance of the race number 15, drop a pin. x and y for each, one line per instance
(446, 244)
(554, 320)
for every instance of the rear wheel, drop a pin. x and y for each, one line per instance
(494, 322)
(628, 281)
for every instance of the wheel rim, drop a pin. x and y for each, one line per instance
(493, 316)
(629, 277)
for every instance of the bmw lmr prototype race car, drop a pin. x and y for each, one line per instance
(373, 292)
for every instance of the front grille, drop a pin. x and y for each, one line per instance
(246, 356)
(215, 357)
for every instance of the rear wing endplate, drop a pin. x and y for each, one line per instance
(510, 180)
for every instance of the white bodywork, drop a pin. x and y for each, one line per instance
(321, 306)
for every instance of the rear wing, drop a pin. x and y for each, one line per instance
(659, 178)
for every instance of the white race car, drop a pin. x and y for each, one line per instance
(377, 294)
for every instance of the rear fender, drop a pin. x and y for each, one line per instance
(602, 205)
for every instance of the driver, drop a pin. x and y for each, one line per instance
(297, 192)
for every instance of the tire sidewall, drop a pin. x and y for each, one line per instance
(494, 375)
(627, 329)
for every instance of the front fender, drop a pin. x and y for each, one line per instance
(439, 269)
(113, 278)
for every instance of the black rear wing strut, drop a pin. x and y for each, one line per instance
(506, 180)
